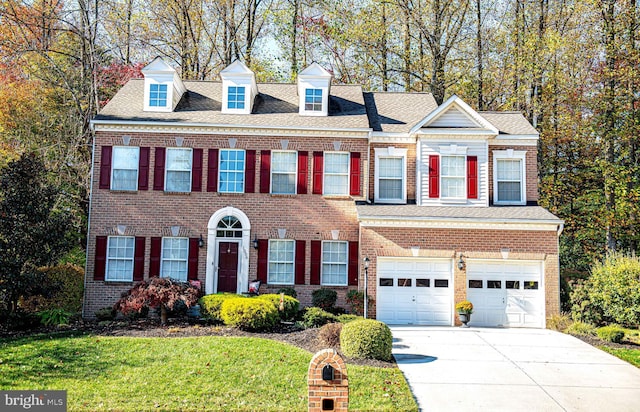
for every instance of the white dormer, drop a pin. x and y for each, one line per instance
(239, 88)
(163, 88)
(314, 86)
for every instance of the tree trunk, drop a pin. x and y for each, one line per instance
(164, 314)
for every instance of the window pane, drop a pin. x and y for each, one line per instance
(390, 188)
(390, 167)
(441, 283)
(120, 258)
(423, 283)
(124, 162)
(512, 284)
(494, 284)
(175, 252)
(158, 95)
(509, 169)
(283, 172)
(531, 285)
(235, 97)
(475, 284)
(336, 173)
(334, 263)
(453, 179)
(178, 175)
(386, 281)
(178, 159)
(281, 261)
(231, 171)
(313, 99)
(404, 282)
(509, 177)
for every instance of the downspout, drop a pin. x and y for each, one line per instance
(86, 262)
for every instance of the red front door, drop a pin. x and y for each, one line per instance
(228, 267)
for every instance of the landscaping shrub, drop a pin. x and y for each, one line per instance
(355, 299)
(290, 305)
(21, 320)
(288, 291)
(329, 335)
(611, 333)
(315, 317)
(324, 298)
(559, 322)
(62, 288)
(611, 294)
(581, 328)
(107, 313)
(345, 318)
(366, 339)
(249, 313)
(211, 304)
(54, 317)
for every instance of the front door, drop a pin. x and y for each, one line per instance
(228, 267)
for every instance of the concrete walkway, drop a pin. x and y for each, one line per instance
(485, 369)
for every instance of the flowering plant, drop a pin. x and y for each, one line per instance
(464, 307)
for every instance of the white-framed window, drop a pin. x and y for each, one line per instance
(336, 173)
(509, 177)
(235, 97)
(390, 175)
(284, 169)
(157, 95)
(124, 167)
(453, 177)
(178, 169)
(335, 257)
(281, 262)
(175, 253)
(313, 100)
(231, 171)
(120, 252)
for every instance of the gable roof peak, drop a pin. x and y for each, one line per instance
(158, 65)
(236, 68)
(454, 103)
(315, 70)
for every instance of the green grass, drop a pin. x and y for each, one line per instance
(628, 355)
(196, 373)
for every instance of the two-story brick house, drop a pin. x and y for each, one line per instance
(296, 184)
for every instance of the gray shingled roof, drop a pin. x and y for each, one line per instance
(510, 122)
(510, 214)
(397, 112)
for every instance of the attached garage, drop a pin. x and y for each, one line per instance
(506, 293)
(414, 291)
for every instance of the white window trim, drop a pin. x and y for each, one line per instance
(106, 272)
(295, 173)
(162, 257)
(346, 278)
(244, 170)
(166, 169)
(147, 96)
(324, 174)
(325, 100)
(293, 262)
(113, 169)
(453, 199)
(381, 152)
(510, 154)
(247, 91)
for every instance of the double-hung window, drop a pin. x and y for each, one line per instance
(120, 253)
(452, 177)
(178, 169)
(124, 169)
(509, 177)
(284, 166)
(157, 95)
(281, 262)
(334, 263)
(175, 253)
(235, 97)
(313, 100)
(336, 173)
(232, 169)
(390, 175)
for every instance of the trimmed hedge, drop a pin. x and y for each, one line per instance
(346, 318)
(366, 339)
(324, 298)
(611, 333)
(315, 317)
(63, 287)
(210, 305)
(329, 335)
(290, 305)
(249, 313)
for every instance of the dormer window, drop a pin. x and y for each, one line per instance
(313, 100)
(158, 95)
(235, 97)
(314, 90)
(239, 89)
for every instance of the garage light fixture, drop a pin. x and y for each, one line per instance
(255, 242)
(461, 264)
(201, 242)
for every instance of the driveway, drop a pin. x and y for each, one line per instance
(486, 369)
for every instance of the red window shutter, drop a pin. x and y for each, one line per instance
(316, 261)
(300, 261)
(105, 168)
(158, 170)
(143, 169)
(355, 174)
(192, 265)
(138, 259)
(354, 264)
(472, 177)
(250, 171)
(318, 167)
(434, 176)
(265, 171)
(212, 171)
(154, 258)
(196, 171)
(303, 172)
(101, 258)
(263, 260)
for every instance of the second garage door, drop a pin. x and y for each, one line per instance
(414, 291)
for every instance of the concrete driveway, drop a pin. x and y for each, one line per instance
(485, 369)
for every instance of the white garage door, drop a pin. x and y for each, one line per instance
(414, 291)
(506, 293)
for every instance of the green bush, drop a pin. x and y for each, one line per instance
(559, 322)
(329, 335)
(54, 317)
(581, 328)
(210, 305)
(345, 318)
(289, 308)
(324, 298)
(107, 313)
(315, 317)
(611, 294)
(611, 333)
(63, 288)
(366, 339)
(288, 291)
(249, 313)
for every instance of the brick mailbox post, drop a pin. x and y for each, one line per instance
(328, 382)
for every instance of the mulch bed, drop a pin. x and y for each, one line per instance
(596, 341)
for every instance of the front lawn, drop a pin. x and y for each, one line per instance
(194, 373)
(628, 355)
